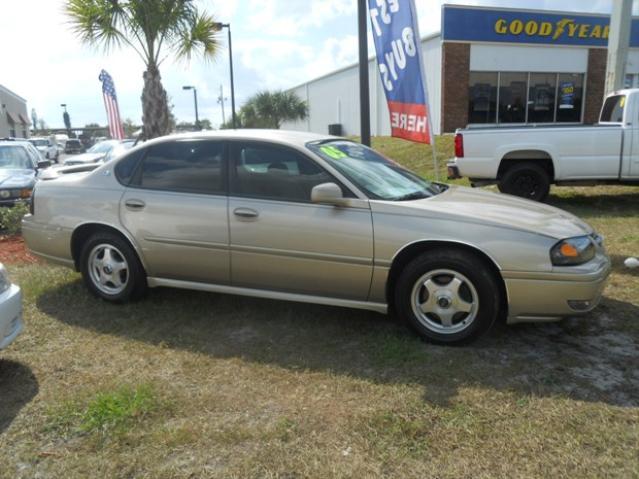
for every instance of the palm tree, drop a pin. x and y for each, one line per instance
(270, 109)
(154, 29)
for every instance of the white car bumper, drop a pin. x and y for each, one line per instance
(10, 315)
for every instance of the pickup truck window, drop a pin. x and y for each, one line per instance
(612, 111)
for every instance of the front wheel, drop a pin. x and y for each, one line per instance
(111, 269)
(448, 296)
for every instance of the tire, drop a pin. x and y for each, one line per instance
(111, 269)
(448, 296)
(527, 180)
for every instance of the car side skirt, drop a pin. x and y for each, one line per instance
(267, 294)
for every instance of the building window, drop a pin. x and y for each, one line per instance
(512, 97)
(520, 97)
(483, 97)
(570, 97)
(541, 97)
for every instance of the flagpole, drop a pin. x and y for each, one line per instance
(433, 146)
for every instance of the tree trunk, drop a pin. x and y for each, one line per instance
(155, 105)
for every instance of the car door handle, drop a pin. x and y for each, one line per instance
(135, 205)
(245, 213)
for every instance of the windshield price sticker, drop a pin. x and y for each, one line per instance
(333, 152)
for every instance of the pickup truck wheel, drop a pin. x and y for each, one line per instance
(448, 296)
(526, 180)
(111, 269)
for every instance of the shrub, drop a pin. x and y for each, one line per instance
(11, 218)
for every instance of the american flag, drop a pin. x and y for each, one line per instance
(111, 104)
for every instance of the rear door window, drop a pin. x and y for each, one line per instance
(189, 166)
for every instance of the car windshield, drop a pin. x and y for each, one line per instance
(14, 158)
(377, 176)
(39, 142)
(118, 150)
(102, 147)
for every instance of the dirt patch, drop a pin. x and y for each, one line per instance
(13, 250)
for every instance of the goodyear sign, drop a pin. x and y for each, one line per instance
(523, 26)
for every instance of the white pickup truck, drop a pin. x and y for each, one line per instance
(525, 161)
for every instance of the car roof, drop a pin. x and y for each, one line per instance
(299, 138)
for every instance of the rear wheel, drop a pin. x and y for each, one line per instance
(448, 296)
(527, 180)
(111, 269)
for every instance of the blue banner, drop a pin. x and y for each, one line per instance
(522, 26)
(399, 59)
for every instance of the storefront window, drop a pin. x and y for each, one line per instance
(541, 97)
(482, 96)
(570, 97)
(512, 97)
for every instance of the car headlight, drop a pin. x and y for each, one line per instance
(5, 284)
(573, 251)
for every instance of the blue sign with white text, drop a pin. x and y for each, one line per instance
(394, 25)
(523, 26)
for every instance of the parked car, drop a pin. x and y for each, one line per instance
(72, 146)
(10, 309)
(96, 153)
(46, 147)
(19, 164)
(526, 160)
(306, 217)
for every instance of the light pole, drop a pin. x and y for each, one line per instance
(228, 26)
(66, 118)
(197, 118)
(364, 89)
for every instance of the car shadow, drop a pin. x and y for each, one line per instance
(18, 386)
(621, 205)
(585, 359)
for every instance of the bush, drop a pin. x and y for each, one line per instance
(11, 218)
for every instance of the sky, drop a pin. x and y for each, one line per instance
(277, 44)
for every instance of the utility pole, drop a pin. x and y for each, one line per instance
(618, 44)
(364, 88)
(221, 100)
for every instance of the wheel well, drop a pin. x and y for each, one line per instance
(412, 251)
(538, 157)
(84, 232)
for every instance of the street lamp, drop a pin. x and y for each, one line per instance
(219, 26)
(66, 118)
(197, 118)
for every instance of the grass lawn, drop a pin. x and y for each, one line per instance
(189, 384)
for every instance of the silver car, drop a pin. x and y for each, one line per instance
(305, 217)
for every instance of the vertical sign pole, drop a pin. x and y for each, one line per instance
(618, 44)
(364, 98)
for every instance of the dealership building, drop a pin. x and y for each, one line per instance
(488, 67)
(14, 121)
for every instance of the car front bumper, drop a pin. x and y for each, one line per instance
(10, 315)
(540, 297)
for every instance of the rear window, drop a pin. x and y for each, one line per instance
(612, 111)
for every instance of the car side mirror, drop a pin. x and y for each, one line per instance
(328, 193)
(43, 164)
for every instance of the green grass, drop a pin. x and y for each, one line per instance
(244, 387)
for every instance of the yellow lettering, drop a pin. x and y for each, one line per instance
(546, 29)
(500, 26)
(532, 27)
(572, 29)
(516, 27)
(606, 32)
(583, 31)
(595, 32)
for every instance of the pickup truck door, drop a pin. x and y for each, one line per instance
(630, 159)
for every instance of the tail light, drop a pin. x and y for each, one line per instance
(459, 145)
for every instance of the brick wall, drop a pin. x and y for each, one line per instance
(595, 83)
(455, 73)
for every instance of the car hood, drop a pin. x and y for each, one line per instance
(16, 178)
(84, 158)
(484, 207)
